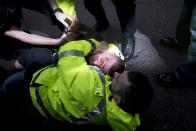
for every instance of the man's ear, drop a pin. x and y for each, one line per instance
(117, 98)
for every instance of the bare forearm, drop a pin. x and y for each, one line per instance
(31, 38)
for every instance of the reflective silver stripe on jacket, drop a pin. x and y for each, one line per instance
(37, 94)
(88, 116)
(77, 52)
(71, 53)
(102, 104)
(97, 110)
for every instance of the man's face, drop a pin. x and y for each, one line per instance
(119, 81)
(104, 61)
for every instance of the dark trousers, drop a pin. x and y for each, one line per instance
(14, 90)
(17, 108)
(125, 10)
(32, 59)
(187, 70)
(36, 57)
(41, 6)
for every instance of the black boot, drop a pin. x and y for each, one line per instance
(128, 47)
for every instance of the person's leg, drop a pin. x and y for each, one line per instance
(96, 9)
(41, 6)
(185, 75)
(16, 104)
(183, 34)
(126, 14)
(126, 11)
(187, 70)
(13, 89)
(36, 57)
(12, 96)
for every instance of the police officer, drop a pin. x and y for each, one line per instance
(78, 93)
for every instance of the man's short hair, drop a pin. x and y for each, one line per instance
(138, 95)
(119, 67)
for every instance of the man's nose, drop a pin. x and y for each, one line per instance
(97, 63)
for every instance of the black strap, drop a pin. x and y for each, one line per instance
(57, 10)
(92, 44)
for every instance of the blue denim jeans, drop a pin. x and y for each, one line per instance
(14, 88)
(183, 26)
(15, 95)
(187, 70)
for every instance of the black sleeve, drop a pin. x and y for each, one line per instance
(9, 15)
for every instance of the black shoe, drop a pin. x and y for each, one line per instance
(172, 43)
(101, 27)
(169, 80)
(129, 47)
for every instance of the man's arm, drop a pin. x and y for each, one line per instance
(85, 46)
(33, 39)
(64, 12)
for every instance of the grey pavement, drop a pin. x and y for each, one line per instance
(171, 109)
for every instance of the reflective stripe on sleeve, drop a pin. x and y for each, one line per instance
(97, 110)
(41, 104)
(101, 106)
(86, 117)
(71, 53)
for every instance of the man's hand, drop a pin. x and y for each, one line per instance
(62, 39)
(66, 20)
(72, 34)
(71, 24)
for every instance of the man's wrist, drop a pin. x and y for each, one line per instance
(57, 10)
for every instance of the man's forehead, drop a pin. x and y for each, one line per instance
(107, 54)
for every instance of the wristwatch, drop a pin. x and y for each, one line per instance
(57, 10)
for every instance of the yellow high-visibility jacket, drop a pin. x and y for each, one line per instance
(76, 92)
(67, 6)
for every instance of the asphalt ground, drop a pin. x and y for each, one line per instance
(172, 109)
